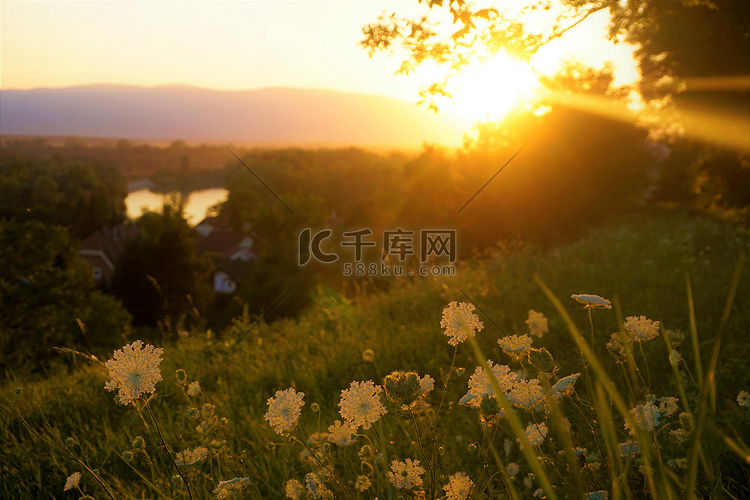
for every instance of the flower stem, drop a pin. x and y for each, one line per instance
(320, 462)
(166, 448)
(424, 455)
(648, 372)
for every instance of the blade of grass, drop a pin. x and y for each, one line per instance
(694, 331)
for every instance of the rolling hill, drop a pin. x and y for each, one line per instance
(267, 117)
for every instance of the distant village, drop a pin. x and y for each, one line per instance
(231, 252)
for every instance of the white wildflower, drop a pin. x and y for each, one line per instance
(284, 410)
(134, 371)
(231, 487)
(362, 483)
(516, 346)
(743, 399)
(512, 469)
(525, 394)
(294, 489)
(405, 475)
(537, 323)
(641, 328)
(564, 385)
(72, 481)
(360, 404)
(480, 386)
(592, 301)
(459, 487)
(191, 457)
(193, 389)
(460, 322)
(536, 433)
(342, 434)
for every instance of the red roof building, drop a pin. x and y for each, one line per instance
(102, 248)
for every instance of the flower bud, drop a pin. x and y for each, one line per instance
(541, 359)
(403, 388)
(138, 442)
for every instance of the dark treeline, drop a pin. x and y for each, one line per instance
(174, 167)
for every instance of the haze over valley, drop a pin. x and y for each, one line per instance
(277, 116)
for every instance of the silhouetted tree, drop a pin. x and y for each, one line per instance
(75, 194)
(159, 277)
(48, 298)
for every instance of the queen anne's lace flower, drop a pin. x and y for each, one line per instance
(536, 433)
(427, 384)
(134, 371)
(284, 410)
(537, 323)
(564, 385)
(362, 483)
(679, 435)
(230, 488)
(592, 301)
(628, 448)
(668, 405)
(641, 328)
(315, 486)
(72, 481)
(460, 322)
(193, 389)
(512, 469)
(647, 416)
(516, 346)
(525, 394)
(674, 357)
(743, 399)
(360, 404)
(597, 495)
(341, 434)
(617, 345)
(405, 475)
(294, 489)
(191, 457)
(458, 487)
(479, 383)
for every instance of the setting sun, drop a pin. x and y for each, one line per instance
(489, 90)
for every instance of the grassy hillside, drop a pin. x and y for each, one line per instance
(640, 262)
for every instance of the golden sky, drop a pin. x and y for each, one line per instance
(229, 45)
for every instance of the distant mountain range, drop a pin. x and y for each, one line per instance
(264, 117)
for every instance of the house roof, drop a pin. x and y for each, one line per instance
(108, 241)
(219, 221)
(219, 240)
(237, 269)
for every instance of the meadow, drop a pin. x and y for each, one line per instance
(603, 404)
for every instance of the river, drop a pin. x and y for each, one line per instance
(195, 206)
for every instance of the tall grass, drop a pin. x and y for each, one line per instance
(68, 423)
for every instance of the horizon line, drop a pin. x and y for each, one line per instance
(199, 87)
